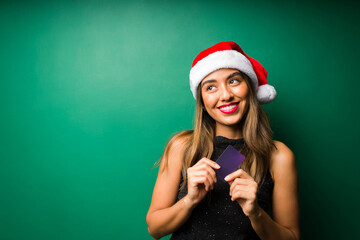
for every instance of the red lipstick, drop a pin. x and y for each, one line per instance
(229, 108)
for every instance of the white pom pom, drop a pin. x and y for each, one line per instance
(265, 93)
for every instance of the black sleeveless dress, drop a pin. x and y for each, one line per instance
(217, 217)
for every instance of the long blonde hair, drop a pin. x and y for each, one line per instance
(255, 129)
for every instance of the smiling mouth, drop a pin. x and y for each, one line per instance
(230, 108)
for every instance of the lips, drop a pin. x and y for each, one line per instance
(229, 108)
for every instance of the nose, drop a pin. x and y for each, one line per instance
(226, 94)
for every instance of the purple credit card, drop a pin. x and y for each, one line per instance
(229, 162)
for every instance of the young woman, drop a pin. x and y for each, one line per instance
(188, 199)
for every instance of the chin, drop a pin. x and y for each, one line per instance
(231, 122)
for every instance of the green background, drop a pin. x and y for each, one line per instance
(90, 91)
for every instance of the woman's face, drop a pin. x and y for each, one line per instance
(225, 93)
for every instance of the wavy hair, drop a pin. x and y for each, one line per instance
(255, 128)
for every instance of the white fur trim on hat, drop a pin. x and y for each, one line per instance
(265, 93)
(221, 59)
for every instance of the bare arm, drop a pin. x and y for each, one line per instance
(165, 215)
(165, 221)
(285, 200)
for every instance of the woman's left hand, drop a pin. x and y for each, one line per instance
(243, 189)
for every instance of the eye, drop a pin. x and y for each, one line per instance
(233, 81)
(210, 88)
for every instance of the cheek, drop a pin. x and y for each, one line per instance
(244, 105)
(209, 100)
(241, 91)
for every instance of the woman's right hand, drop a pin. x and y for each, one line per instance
(201, 179)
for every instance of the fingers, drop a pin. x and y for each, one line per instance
(207, 172)
(203, 173)
(240, 181)
(242, 194)
(243, 188)
(196, 181)
(240, 173)
(208, 162)
(210, 178)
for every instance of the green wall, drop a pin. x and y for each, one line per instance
(90, 91)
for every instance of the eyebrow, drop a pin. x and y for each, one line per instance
(213, 80)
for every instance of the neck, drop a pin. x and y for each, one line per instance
(231, 132)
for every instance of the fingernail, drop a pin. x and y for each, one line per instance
(227, 178)
(217, 165)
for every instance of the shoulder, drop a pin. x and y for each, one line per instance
(178, 142)
(180, 139)
(282, 161)
(174, 150)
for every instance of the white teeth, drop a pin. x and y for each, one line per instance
(228, 108)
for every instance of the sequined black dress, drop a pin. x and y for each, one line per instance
(218, 218)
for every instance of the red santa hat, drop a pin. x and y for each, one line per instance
(230, 55)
